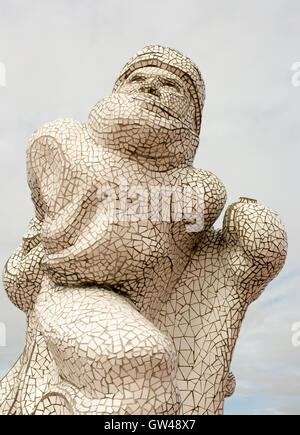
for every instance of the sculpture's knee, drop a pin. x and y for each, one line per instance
(105, 347)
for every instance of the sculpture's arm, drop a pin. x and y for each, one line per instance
(23, 271)
(257, 244)
(23, 274)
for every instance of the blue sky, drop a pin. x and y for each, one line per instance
(61, 56)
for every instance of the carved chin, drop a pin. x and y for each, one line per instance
(141, 125)
(118, 110)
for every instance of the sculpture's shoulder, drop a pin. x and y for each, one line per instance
(51, 149)
(53, 141)
(60, 130)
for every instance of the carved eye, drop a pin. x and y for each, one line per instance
(170, 84)
(136, 79)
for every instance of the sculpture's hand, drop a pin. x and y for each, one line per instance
(23, 273)
(256, 233)
(257, 228)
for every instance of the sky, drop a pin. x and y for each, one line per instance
(59, 57)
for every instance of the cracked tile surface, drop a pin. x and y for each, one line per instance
(128, 311)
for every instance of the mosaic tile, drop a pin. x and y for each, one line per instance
(133, 300)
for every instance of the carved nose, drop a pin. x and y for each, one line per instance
(151, 87)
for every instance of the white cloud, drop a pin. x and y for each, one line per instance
(265, 361)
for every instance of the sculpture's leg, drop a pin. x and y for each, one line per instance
(9, 390)
(109, 357)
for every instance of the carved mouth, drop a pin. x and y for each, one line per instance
(153, 104)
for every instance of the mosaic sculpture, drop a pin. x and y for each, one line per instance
(131, 311)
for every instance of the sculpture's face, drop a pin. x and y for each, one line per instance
(150, 115)
(161, 88)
